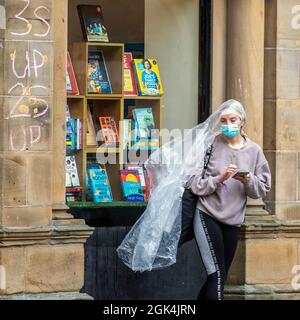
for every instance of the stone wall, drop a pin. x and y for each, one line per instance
(282, 102)
(266, 265)
(40, 252)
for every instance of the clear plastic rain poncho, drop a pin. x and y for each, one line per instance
(153, 240)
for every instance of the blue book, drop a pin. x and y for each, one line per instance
(98, 79)
(99, 185)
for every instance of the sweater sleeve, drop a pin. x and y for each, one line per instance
(260, 182)
(203, 186)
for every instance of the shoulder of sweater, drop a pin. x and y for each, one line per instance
(255, 146)
(257, 149)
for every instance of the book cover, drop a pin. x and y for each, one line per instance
(109, 130)
(139, 168)
(69, 130)
(80, 140)
(131, 185)
(98, 79)
(92, 23)
(148, 77)
(72, 87)
(126, 132)
(130, 88)
(72, 178)
(146, 137)
(98, 181)
(145, 122)
(78, 134)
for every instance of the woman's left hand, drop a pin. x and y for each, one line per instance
(243, 179)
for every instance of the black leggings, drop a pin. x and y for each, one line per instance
(222, 239)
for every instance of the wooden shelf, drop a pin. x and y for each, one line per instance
(72, 96)
(103, 96)
(105, 105)
(114, 59)
(101, 150)
(77, 204)
(143, 97)
(104, 44)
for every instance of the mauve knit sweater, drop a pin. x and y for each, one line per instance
(227, 204)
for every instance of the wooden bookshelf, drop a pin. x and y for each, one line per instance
(113, 54)
(105, 105)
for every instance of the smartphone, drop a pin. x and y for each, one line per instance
(241, 173)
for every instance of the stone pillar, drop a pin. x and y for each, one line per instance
(282, 102)
(60, 21)
(266, 263)
(38, 258)
(219, 53)
(245, 69)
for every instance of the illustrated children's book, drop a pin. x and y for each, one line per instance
(92, 23)
(130, 88)
(148, 77)
(98, 79)
(97, 184)
(131, 185)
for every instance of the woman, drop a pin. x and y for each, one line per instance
(223, 195)
(152, 242)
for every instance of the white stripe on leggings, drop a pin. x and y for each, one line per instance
(214, 257)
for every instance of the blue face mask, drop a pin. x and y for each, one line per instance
(230, 130)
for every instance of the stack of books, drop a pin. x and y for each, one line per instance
(73, 133)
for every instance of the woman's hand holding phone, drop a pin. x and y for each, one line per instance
(228, 173)
(231, 169)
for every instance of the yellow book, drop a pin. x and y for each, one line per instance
(148, 77)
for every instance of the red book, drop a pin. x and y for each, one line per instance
(130, 88)
(109, 130)
(73, 189)
(72, 87)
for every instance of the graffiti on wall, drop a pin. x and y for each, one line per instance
(27, 74)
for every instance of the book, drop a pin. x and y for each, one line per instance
(92, 23)
(146, 137)
(72, 87)
(145, 121)
(72, 178)
(98, 79)
(140, 169)
(126, 131)
(130, 88)
(109, 130)
(148, 77)
(131, 185)
(73, 194)
(98, 185)
(73, 133)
